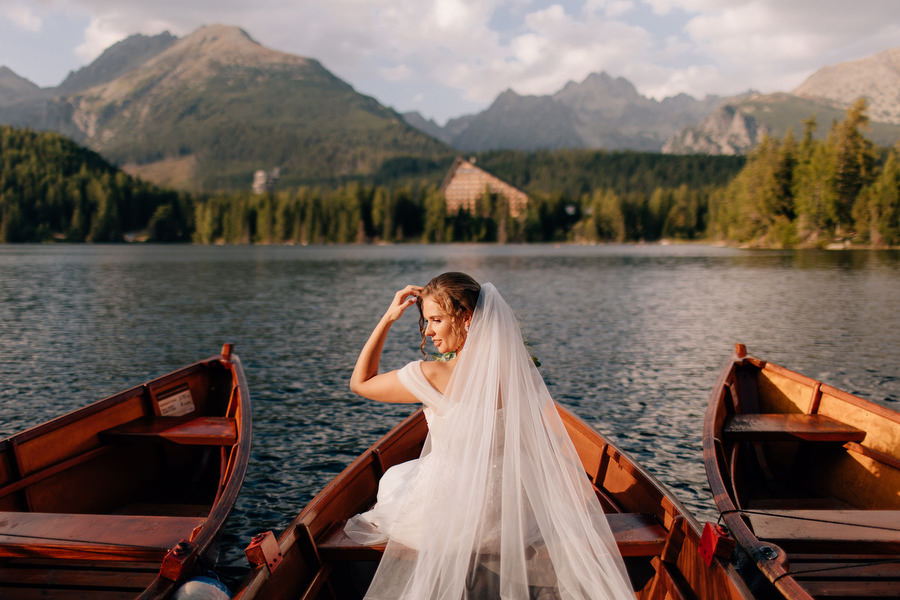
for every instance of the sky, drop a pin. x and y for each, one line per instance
(446, 58)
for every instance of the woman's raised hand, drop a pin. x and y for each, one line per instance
(403, 299)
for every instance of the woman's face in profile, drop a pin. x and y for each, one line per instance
(440, 327)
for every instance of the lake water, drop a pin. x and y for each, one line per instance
(631, 339)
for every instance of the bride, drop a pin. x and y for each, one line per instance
(497, 505)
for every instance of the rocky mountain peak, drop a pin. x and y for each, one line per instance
(877, 78)
(14, 87)
(601, 94)
(224, 44)
(119, 58)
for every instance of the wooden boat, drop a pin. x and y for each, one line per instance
(123, 498)
(657, 536)
(807, 479)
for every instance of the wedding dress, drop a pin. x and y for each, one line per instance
(498, 504)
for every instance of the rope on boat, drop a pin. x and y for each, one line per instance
(799, 518)
(838, 568)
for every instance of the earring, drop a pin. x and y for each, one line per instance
(467, 326)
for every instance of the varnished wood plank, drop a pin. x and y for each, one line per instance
(207, 431)
(828, 526)
(74, 437)
(794, 426)
(31, 593)
(636, 535)
(24, 482)
(74, 535)
(842, 570)
(63, 576)
(852, 589)
(881, 457)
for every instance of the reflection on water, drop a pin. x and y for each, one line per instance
(630, 337)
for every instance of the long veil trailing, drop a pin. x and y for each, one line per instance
(509, 512)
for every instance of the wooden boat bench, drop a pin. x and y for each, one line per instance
(780, 427)
(92, 536)
(636, 535)
(848, 575)
(197, 431)
(826, 530)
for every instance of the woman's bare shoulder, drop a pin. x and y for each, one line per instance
(437, 373)
(435, 367)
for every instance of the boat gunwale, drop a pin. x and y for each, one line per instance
(326, 495)
(305, 529)
(225, 498)
(223, 503)
(776, 568)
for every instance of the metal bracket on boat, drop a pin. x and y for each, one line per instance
(715, 541)
(263, 549)
(177, 559)
(767, 553)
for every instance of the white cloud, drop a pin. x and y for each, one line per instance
(396, 73)
(98, 36)
(471, 50)
(610, 8)
(23, 17)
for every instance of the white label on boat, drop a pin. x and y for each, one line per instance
(176, 405)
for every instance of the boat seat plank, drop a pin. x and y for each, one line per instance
(885, 568)
(33, 593)
(636, 535)
(821, 529)
(798, 503)
(202, 431)
(77, 536)
(852, 588)
(65, 576)
(788, 427)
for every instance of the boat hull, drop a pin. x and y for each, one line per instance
(807, 479)
(123, 498)
(656, 535)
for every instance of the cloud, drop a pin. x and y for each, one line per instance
(23, 17)
(98, 36)
(464, 52)
(774, 44)
(395, 73)
(610, 8)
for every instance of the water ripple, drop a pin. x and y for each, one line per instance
(631, 338)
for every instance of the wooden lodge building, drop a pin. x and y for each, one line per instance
(465, 183)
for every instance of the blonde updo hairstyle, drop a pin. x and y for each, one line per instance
(457, 294)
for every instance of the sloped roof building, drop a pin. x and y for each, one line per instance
(465, 183)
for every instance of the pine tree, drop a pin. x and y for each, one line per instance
(853, 166)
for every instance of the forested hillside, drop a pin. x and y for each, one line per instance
(810, 193)
(788, 193)
(53, 189)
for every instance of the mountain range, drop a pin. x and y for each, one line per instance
(606, 112)
(207, 110)
(740, 123)
(600, 112)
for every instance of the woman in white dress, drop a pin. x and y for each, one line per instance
(497, 505)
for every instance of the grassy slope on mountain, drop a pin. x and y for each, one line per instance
(242, 119)
(232, 106)
(779, 112)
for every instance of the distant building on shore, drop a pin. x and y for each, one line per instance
(465, 183)
(264, 181)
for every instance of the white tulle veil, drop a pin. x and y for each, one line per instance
(509, 512)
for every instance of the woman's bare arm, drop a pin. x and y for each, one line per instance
(365, 380)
